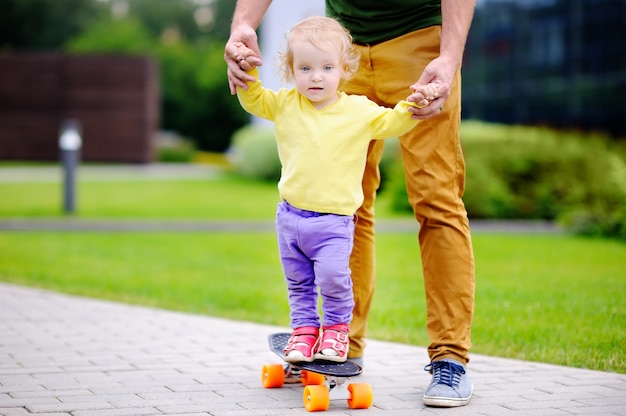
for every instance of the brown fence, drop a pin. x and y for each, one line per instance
(114, 98)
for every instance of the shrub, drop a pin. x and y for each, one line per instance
(513, 172)
(538, 173)
(253, 153)
(196, 100)
(179, 152)
(195, 97)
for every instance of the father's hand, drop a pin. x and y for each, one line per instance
(438, 71)
(241, 54)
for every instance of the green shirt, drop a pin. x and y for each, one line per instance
(375, 21)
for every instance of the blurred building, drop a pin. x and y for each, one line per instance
(552, 62)
(560, 63)
(280, 17)
(115, 98)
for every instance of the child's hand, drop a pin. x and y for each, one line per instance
(424, 94)
(418, 99)
(244, 56)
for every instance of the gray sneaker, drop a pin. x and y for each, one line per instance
(450, 387)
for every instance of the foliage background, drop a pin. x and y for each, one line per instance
(513, 172)
(195, 97)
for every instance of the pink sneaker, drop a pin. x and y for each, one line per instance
(301, 345)
(335, 343)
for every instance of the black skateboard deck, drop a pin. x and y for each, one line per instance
(278, 342)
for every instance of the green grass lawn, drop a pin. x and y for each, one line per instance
(218, 198)
(549, 298)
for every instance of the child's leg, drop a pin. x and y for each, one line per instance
(298, 270)
(302, 291)
(329, 246)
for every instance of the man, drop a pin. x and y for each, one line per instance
(401, 41)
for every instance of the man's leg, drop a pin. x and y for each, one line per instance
(435, 174)
(435, 188)
(434, 168)
(363, 258)
(435, 177)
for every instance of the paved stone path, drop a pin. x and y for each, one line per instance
(63, 355)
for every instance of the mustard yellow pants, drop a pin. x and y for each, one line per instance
(435, 173)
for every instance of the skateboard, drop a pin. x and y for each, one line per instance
(323, 380)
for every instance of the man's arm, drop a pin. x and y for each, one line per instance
(249, 13)
(246, 19)
(457, 18)
(456, 21)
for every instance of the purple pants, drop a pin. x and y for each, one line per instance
(315, 252)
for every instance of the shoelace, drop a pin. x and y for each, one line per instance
(445, 372)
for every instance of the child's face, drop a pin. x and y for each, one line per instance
(317, 73)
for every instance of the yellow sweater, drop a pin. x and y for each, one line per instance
(323, 152)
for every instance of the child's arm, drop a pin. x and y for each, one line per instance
(259, 101)
(399, 120)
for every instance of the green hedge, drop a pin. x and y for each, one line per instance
(513, 172)
(253, 153)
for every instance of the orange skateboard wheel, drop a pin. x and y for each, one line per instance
(273, 375)
(309, 378)
(361, 396)
(316, 398)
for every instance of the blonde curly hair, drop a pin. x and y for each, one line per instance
(325, 33)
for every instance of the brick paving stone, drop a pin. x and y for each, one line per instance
(64, 355)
